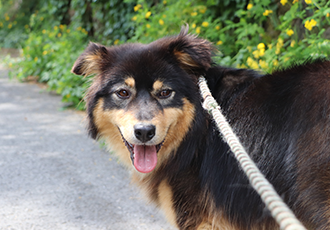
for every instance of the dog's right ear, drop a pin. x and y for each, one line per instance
(92, 60)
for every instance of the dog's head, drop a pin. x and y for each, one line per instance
(143, 97)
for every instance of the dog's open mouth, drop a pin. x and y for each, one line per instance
(144, 157)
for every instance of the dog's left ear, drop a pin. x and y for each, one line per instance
(194, 54)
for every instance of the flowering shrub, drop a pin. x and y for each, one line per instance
(50, 55)
(259, 34)
(52, 41)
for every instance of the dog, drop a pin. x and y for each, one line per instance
(144, 101)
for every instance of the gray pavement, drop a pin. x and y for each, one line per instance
(53, 176)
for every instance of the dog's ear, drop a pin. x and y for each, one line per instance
(92, 60)
(194, 54)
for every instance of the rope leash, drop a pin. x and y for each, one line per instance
(279, 210)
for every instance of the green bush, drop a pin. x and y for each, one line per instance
(262, 34)
(54, 41)
(50, 54)
(13, 23)
(258, 34)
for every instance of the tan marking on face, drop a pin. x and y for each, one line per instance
(157, 85)
(178, 122)
(105, 123)
(165, 195)
(172, 126)
(130, 82)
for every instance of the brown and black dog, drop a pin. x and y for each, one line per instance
(144, 101)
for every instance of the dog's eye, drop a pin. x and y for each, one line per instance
(166, 93)
(123, 94)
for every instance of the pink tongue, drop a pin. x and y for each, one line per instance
(145, 158)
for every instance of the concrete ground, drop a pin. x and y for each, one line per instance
(53, 176)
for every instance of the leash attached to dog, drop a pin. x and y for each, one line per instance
(279, 210)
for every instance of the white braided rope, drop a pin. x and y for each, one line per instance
(279, 210)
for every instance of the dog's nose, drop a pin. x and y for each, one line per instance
(144, 133)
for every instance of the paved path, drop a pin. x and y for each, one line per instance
(52, 176)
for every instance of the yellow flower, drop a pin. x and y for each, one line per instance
(79, 28)
(193, 14)
(134, 18)
(147, 14)
(261, 52)
(256, 54)
(279, 45)
(310, 24)
(137, 7)
(1, 24)
(270, 46)
(116, 41)
(164, 15)
(26, 26)
(7, 18)
(217, 27)
(161, 22)
(148, 26)
(283, 2)
(308, 1)
(293, 42)
(290, 32)
(193, 25)
(203, 10)
(328, 15)
(198, 30)
(59, 35)
(55, 27)
(249, 6)
(61, 27)
(45, 52)
(263, 64)
(278, 50)
(275, 63)
(41, 18)
(252, 63)
(280, 41)
(261, 46)
(241, 66)
(68, 30)
(10, 64)
(36, 59)
(205, 24)
(44, 31)
(10, 25)
(295, 1)
(219, 43)
(164, 2)
(84, 31)
(267, 12)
